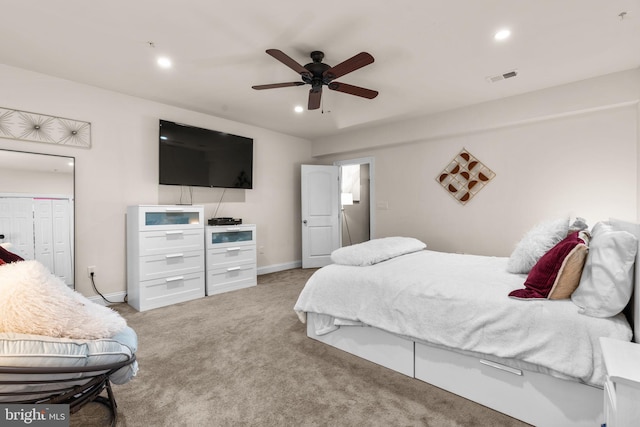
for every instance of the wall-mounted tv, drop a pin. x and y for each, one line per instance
(199, 157)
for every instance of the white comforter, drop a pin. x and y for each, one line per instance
(460, 301)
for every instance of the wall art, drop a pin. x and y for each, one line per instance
(26, 126)
(464, 176)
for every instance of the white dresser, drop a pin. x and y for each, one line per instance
(165, 255)
(231, 257)
(622, 385)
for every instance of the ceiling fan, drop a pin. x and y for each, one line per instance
(318, 74)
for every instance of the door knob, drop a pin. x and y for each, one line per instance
(304, 221)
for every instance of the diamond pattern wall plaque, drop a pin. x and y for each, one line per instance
(25, 126)
(464, 177)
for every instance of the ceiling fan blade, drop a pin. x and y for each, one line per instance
(353, 90)
(288, 61)
(277, 85)
(355, 62)
(314, 98)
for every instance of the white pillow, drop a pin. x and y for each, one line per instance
(607, 278)
(34, 301)
(535, 243)
(376, 250)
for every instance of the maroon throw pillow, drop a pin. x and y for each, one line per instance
(7, 256)
(543, 275)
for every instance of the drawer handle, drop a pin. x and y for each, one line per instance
(501, 367)
(174, 255)
(234, 229)
(174, 279)
(174, 232)
(233, 268)
(174, 210)
(233, 249)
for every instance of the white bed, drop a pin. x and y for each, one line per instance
(508, 368)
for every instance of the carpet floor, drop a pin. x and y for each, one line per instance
(243, 359)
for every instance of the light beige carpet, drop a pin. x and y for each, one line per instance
(243, 359)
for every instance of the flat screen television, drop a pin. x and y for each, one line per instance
(199, 157)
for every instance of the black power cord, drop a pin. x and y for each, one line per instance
(97, 291)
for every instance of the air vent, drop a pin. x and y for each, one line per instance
(503, 76)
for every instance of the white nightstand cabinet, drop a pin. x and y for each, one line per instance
(231, 257)
(622, 385)
(165, 255)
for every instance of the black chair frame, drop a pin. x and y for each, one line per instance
(94, 380)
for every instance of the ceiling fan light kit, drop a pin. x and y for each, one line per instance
(318, 74)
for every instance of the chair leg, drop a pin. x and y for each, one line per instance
(109, 402)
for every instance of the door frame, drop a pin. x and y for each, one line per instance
(372, 197)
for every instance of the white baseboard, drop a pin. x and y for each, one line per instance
(279, 267)
(114, 297)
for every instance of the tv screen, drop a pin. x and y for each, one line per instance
(199, 157)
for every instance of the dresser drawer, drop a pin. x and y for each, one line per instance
(220, 257)
(230, 278)
(170, 290)
(161, 242)
(171, 264)
(230, 236)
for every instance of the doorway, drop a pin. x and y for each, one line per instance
(357, 215)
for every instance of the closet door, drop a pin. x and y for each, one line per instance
(16, 223)
(43, 225)
(61, 210)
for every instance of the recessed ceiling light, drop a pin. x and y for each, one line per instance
(164, 62)
(502, 34)
(298, 109)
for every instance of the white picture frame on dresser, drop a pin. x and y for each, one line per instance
(165, 255)
(231, 257)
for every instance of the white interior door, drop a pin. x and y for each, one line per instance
(320, 214)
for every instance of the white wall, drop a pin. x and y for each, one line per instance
(38, 183)
(570, 150)
(120, 169)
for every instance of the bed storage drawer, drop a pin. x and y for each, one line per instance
(531, 395)
(375, 345)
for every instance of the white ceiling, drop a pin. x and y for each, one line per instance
(430, 56)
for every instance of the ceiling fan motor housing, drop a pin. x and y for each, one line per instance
(317, 68)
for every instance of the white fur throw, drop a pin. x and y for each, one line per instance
(34, 301)
(535, 243)
(376, 250)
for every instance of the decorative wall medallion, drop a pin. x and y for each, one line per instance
(464, 177)
(25, 126)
